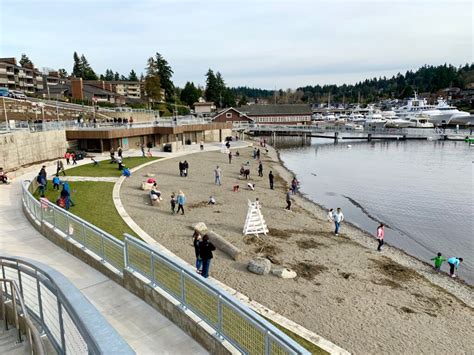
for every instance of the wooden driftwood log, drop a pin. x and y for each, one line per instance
(219, 242)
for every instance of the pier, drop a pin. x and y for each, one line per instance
(346, 133)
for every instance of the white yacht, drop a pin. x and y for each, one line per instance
(448, 113)
(397, 123)
(374, 119)
(439, 114)
(420, 121)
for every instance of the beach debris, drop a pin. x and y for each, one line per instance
(284, 273)
(259, 266)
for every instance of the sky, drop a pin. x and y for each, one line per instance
(256, 43)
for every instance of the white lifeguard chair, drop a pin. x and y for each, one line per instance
(254, 223)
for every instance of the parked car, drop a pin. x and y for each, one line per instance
(17, 95)
(4, 92)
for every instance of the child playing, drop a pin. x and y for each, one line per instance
(56, 182)
(438, 260)
(173, 203)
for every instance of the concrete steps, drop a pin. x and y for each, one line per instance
(9, 342)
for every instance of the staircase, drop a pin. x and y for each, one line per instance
(9, 342)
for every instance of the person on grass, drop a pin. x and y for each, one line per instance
(56, 182)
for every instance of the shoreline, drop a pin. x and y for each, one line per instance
(443, 276)
(339, 285)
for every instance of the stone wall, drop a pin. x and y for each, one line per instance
(21, 149)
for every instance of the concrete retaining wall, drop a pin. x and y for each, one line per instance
(21, 149)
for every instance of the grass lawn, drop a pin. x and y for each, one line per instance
(94, 203)
(303, 342)
(105, 169)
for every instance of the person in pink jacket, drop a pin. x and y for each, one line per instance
(380, 235)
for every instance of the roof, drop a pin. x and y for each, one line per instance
(229, 109)
(256, 110)
(56, 89)
(203, 104)
(97, 91)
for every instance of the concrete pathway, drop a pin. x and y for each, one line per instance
(145, 329)
(88, 178)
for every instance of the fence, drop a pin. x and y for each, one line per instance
(230, 319)
(72, 328)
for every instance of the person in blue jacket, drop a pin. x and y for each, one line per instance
(181, 199)
(454, 264)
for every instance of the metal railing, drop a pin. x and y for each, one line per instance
(13, 295)
(230, 319)
(71, 323)
(101, 243)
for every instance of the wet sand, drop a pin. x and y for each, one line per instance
(362, 300)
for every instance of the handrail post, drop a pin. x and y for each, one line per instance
(152, 269)
(183, 291)
(125, 253)
(2, 301)
(61, 325)
(102, 249)
(219, 317)
(267, 343)
(17, 322)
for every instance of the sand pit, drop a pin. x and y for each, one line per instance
(362, 300)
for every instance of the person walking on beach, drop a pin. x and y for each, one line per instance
(230, 157)
(294, 185)
(330, 215)
(205, 251)
(186, 168)
(260, 169)
(454, 264)
(270, 179)
(173, 203)
(181, 169)
(201, 146)
(258, 154)
(255, 153)
(181, 199)
(438, 261)
(338, 217)
(196, 241)
(288, 199)
(380, 235)
(217, 175)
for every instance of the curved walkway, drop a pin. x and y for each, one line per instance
(145, 329)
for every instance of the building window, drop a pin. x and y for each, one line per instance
(228, 115)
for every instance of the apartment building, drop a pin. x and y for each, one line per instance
(129, 89)
(15, 77)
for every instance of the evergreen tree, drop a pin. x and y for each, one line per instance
(132, 76)
(212, 90)
(190, 94)
(117, 76)
(243, 101)
(165, 72)
(25, 60)
(123, 78)
(228, 98)
(109, 75)
(87, 71)
(77, 67)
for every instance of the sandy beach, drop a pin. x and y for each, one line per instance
(362, 300)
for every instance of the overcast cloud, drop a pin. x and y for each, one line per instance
(256, 43)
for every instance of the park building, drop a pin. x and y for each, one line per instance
(290, 114)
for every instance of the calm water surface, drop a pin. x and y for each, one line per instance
(422, 190)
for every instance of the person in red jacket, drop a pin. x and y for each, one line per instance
(380, 235)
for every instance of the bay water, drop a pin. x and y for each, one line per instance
(423, 191)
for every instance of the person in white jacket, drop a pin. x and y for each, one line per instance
(338, 217)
